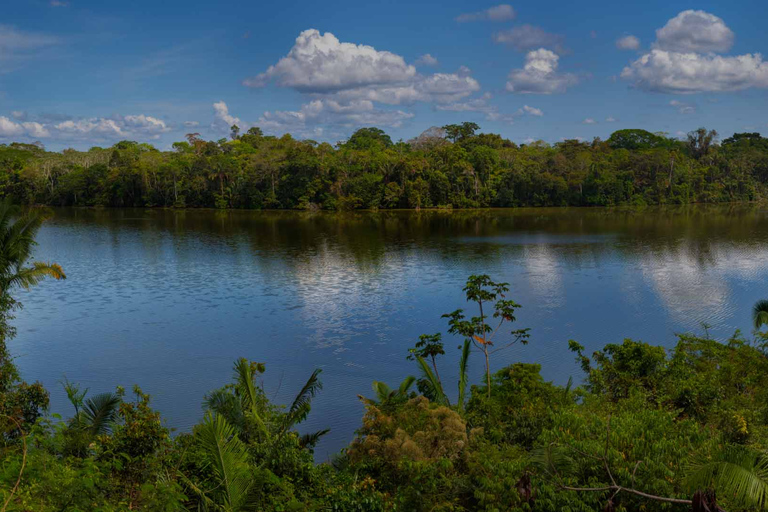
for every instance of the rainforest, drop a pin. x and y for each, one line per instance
(452, 166)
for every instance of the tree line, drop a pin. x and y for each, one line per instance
(648, 429)
(449, 167)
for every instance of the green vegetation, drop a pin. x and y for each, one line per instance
(649, 429)
(449, 167)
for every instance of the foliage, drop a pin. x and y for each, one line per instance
(454, 166)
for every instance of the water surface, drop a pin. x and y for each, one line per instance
(169, 299)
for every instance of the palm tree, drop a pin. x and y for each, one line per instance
(739, 472)
(229, 462)
(384, 393)
(17, 238)
(760, 313)
(245, 407)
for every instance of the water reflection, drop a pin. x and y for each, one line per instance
(168, 299)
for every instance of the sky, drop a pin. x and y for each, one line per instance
(82, 73)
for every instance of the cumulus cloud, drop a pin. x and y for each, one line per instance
(502, 12)
(322, 63)
(528, 37)
(589, 120)
(10, 128)
(426, 60)
(323, 67)
(85, 129)
(671, 72)
(539, 75)
(222, 119)
(694, 31)
(347, 84)
(628, 43)
(532, 111)
(684, 59)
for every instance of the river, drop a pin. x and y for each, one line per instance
(169, 299)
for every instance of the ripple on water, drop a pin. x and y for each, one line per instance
(169, 300)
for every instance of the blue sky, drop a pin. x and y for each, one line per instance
(78, 73)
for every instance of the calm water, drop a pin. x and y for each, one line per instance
(168, 300)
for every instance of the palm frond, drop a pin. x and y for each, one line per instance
(735, 471)
(567, 389)
(17, 238)
(301, 405)
(405, 386)
(310, 440)
(100, 412)
(760, 313)
(205, 503)
(463, 377)
(246, 389)
(31, 276)
(382, 390)
(228, 460)
(431, 380)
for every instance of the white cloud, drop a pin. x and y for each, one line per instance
(191, 124)
(85, 129)
(9, 128)
(683, 108)
(589, 120)
(321, 63)
(527, 37)
(540, 75)
(435, 88)
(628, 43)
(683, 59)
(36, 130)
(323, 67)
(664, 71)
(694, 31)
(502, 12)
(344, 83)
(532, 111)
(222, 120)
(426, 60)
(610, 119)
